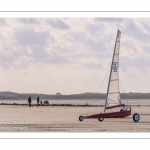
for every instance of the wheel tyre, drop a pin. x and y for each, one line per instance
(81, 118)
(136, 117)
(100, 119)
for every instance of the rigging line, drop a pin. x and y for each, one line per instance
(113, 97)
(123, 91)
(111, 110)
(97, 92)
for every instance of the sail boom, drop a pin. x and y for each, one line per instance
(114, 80)
(115, 106)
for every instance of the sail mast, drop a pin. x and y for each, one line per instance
(110, 72)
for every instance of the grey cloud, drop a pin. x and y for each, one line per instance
(2, 21)
(6, 60)
(93, 28)
(40, 55)
(65, 50)
(95, 45)
(143, 37)
(146, 49)
(93, 66)
(138, 62)
(99, 57)
(30, 37)
(8, 57)
(109, 19)
(69, 55)
(57, 23)
(59, 59)
(29, 20)
(88, 42)
(79, 37)
(133, 30)
(146, 26)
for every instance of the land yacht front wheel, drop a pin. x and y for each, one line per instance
(136, 117)
(100, 119)
(81, 118)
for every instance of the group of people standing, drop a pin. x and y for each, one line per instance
(38, 101)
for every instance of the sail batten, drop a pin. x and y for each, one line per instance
(113, 92)
(114, 80)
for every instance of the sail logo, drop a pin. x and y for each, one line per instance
(115, 65)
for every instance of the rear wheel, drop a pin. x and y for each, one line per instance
(81, 118)
(136, 117)
(100, 119)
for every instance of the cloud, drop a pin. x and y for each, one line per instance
(59, 24)
(29, 20)
(137, 30)
(95, 45)
(110, 20)
(59, 59)
(30, 37)
(94, 28)
(2, 22)
(79, 37)
(88, 42)
(40, 55)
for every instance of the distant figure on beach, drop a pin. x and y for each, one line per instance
(38, 101)
(41, 102)
(29, 101)
(47, 102)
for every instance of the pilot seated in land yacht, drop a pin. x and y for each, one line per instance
(122, 109)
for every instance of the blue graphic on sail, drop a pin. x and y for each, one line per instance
(115, 65)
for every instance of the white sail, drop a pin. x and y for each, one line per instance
(113, 93)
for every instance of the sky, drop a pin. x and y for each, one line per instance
(72, 55)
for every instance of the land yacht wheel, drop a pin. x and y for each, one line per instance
(100, 119)
(136, 117)
(81, 118)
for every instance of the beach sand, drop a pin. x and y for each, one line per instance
(66, 119)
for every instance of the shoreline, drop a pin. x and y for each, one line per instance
(74, 105)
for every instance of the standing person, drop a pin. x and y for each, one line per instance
(41, 102)
(46, 102)
(38, 100)
(29, 101)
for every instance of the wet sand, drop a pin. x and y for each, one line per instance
(66, 119)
